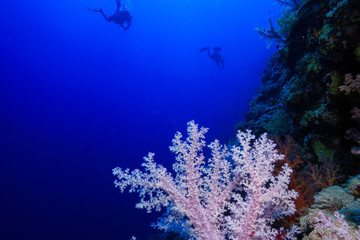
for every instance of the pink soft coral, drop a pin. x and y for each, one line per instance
(335, 228)
(203, 193)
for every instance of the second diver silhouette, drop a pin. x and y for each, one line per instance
(121, 15)
(215, 56)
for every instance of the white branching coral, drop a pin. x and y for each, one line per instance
(245, 188)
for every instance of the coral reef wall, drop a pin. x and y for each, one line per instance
(307, 91)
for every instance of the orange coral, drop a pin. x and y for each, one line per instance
(290, 149)
(325, 175)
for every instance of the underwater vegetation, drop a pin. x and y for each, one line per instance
(335, 213)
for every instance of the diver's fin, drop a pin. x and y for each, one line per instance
(204, 49)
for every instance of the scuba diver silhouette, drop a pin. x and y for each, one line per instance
(215, 56)
(121, 15)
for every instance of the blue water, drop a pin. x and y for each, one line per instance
(79, 96)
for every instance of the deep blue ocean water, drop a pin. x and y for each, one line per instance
(79, 96)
